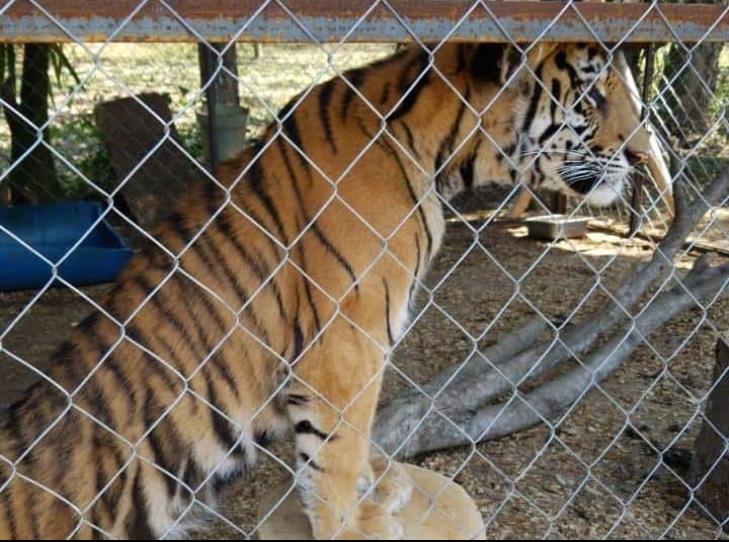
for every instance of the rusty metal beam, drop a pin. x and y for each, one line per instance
(332, 20)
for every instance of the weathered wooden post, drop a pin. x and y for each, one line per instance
(710, 448)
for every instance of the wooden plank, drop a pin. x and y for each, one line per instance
(333, 20)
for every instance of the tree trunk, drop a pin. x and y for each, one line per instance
(34, 174)
(709, 472)
(692, 81)
(225, 127)
(225, 87)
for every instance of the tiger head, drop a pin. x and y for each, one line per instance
(559, 116)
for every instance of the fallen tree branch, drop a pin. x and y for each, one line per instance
(454, 426)
(453, 403)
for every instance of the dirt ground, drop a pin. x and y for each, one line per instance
(593, 476)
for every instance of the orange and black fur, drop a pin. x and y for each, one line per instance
(273, 302)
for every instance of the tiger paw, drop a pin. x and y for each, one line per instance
(377, 523)
(394, 486)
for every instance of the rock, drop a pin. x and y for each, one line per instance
(453, 516)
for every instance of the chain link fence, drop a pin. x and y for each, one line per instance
(562, 383)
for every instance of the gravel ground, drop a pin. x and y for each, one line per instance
(592, 477)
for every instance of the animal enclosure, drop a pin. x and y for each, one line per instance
(561, 382)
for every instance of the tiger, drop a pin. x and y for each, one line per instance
(268, 302)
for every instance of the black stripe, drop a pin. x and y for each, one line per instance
(221, 426)
(313, 225)
(298, 340)
(385, 94)
(160, 457)
(100, 480)
(34, 530)
(138, 335)
(461, 51)
(296, 399)
(191, 476)
(305, 427)
(416, 272)
(561, 61)
(309, 295)
(549, 132)
(486, 63)
(263, 438)
(556, 97)
(111, 367)
(387, 311)
(221, 482)
(7, 507)
(122, 381)
(534, 102)
(258, 223)
(467, 171)
(97, 400)
(291, 129)
(116, 489)
(178, 222)
(96, 534)
(445, 150)
(218, 264)
(388, 149)
(13, 425)
(411, 139)
(138, 527)
(413, 197)
(413, 93)
(261, 272)
(325, 99)
(186, 303)
(307, 286)
(355, 79)
(218, 362)
(257, 182)
(309, 462)
(335, 252)
(286, 109)
(166, 315)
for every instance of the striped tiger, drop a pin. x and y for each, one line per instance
(270, 301)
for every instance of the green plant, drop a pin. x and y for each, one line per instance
(32, 174)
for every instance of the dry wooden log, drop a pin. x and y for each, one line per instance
(709, 472)
(146, 156)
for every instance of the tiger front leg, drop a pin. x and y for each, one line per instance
(332, 406)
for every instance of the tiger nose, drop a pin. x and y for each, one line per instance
(636, 157)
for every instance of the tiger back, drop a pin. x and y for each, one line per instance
(271, 300)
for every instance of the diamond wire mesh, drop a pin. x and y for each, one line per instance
(522, 497)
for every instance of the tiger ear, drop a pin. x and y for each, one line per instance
(514, 59)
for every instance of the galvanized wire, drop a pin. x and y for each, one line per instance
(666, 106)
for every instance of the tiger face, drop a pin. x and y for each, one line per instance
(580, 130)
(564, 117)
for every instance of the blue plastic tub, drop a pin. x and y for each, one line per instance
(52, 230)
